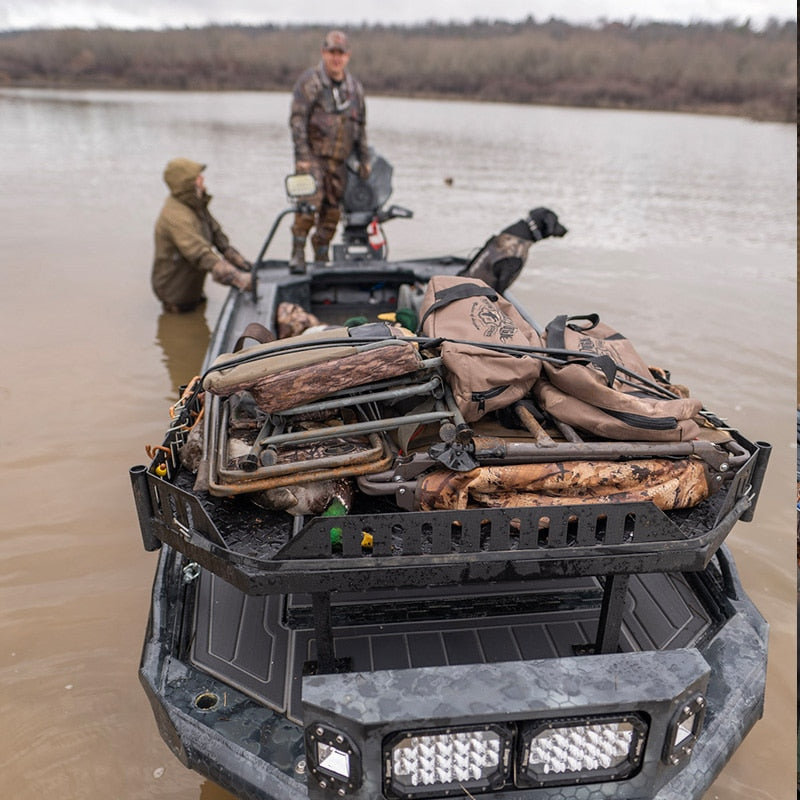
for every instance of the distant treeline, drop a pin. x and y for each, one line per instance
(720, 68)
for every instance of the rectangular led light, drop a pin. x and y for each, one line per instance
(424, 763)
(584, 750)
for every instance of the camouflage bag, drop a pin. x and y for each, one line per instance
(301, 369)
(475, 323)
(669, 483)
(606, 389)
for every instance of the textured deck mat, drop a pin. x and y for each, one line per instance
(245, 640)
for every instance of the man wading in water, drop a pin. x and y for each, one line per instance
(190, 243)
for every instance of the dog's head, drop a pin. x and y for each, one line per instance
(545, 222)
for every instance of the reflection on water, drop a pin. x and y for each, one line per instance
(682, 235)
(183, 339)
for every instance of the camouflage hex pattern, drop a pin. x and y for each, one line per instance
(369, 707)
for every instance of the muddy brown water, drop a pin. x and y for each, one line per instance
(682, 234)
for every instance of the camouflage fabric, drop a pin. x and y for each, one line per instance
(499, 261)
(670, 484)
(331, 178)
(292, 319)
(188, 240)
(310, 498)
(328, 123)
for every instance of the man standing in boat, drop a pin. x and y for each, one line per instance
(190, 243)
(328, 123)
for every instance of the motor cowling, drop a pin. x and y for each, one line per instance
(362, 210)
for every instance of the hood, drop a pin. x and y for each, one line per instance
(180, 175)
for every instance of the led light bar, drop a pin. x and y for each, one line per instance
(430, 763)
(584, 750)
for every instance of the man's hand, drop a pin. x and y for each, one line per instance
(237, 259)
(302, 167)
(225, 273)
(364, 170)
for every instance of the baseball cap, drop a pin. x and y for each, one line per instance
(336, 40)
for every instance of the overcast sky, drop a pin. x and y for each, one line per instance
(21, 14)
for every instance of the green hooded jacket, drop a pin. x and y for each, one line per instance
(188, 240)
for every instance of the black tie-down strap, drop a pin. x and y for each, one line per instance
(453, 293)
(556, 338)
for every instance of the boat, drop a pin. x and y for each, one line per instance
(316, 631)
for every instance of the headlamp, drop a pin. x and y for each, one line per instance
(431, 763)
(583, 750)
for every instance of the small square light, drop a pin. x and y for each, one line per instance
(684, 729)
(333, 759)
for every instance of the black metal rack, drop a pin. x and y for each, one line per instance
(407, 549)
(438, 547)
(270, 552)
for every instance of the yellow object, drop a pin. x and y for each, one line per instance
(161, 470)
(366, 540)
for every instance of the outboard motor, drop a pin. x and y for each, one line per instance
(363, 213)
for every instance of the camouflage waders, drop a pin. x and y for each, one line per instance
(331, 177)
(327, 121)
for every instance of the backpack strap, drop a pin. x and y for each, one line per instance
(254, 330)
(556, 328)
(449, 295)
(555, 333)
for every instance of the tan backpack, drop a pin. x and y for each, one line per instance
(473, 319)
(605, 387)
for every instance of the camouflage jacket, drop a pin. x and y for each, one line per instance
(328, 121)
(188, 240)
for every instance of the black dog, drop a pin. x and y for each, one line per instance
(539, 224)
(500, 260)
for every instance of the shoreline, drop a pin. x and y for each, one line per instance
(720, 110)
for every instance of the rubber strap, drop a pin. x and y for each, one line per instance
(449, 295)
(555, 329)
(254, 330)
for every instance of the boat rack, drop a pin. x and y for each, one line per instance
(264, 552)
